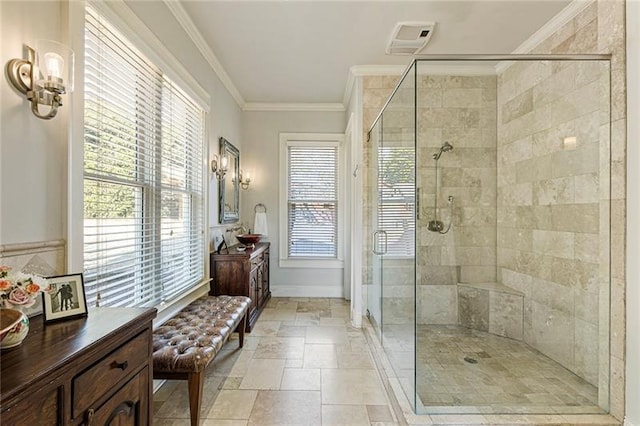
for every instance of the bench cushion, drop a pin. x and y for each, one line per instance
(190, 340)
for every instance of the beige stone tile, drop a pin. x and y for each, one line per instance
(352, 415)
(379, 413)
(307, 319)
(263, 374)
(286, 408)
(292, 331)
(242, 363)
(219, 422)
(301, 379)
(320, 356)
(294, 363)
(335, 321)
(355, 360)
(171, 422)
(177, 405)
(280, 347)
(232, 383)
(358, 386)
(326, 335)
(265, 328)
(462, 419)
(233, 404)
(278, 314)
(165, 391)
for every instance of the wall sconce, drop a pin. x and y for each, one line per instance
(220, 169)
(43, 77)
(245, 179)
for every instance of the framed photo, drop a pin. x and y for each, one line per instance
(66, 298)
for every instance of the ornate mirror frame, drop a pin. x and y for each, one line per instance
(229, 186)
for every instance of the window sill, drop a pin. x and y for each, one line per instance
(312, 263)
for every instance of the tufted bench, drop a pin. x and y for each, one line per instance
(184, 346)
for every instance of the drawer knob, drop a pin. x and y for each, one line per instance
(90, 415)
(121, 365)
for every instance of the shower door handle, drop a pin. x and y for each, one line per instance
(376, 236)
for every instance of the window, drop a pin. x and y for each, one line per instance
(310, 197)
(143, 176)
(397, 199)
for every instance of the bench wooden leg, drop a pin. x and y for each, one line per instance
(196, 382)
(242, 326)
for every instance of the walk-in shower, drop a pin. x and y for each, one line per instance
(508, 311)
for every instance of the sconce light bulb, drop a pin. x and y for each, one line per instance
(54, 64)
(224, 163)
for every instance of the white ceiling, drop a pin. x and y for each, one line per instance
(301, 51)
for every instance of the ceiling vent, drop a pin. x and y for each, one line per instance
(410, 38)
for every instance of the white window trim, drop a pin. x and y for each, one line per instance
(302, 139)
(128, 23)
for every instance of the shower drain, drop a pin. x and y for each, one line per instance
(470, 360)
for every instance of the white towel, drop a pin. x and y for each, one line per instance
(260, 224)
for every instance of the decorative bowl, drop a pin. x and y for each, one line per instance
(14, 326)
(248, 239)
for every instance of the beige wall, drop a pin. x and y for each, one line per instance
(32, 150)
(261, 154)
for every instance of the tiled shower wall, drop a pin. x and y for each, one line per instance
(460, 110)
(560, 200)
(549, 203)
(601, 28)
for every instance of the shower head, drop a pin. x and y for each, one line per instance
(446, 147)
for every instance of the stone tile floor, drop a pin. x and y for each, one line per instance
(302, 364)
(507, 375)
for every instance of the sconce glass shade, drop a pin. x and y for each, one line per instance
(56, 63)
(44, 76)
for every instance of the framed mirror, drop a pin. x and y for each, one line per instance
(230, 185)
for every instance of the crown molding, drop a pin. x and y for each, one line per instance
(572, 10)
(187, 24)
(291, 106)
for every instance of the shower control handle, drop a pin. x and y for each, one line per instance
(376, 244)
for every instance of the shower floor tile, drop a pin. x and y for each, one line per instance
(498, 372)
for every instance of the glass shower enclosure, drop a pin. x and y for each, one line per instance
(487, 213)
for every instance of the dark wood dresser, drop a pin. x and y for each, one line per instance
(88, 371)
(243, 273)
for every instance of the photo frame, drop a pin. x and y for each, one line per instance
(66, 299)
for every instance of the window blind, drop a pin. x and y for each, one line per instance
(143, 179)
(312, 201)
(396, 192)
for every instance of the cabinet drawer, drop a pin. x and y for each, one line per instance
(41, 408)
(127, 407)
(103, 376)
(256, 261)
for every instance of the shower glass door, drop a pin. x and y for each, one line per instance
(393, 217)
(373, 259)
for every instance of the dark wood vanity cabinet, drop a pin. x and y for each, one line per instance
(243, 273)
(89, 371)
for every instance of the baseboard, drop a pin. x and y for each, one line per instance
(306, 291)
